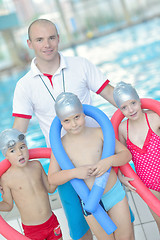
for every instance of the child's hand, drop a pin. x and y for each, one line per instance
(125, 180)
(101, 167)
(84, 172)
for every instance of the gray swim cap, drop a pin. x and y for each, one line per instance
(67, 104)
(124, 92)
(9, 138)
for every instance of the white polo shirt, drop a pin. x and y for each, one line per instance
(31, 96)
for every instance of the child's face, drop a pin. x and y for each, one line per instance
(131, 109)
(18, 154)
(74, 124)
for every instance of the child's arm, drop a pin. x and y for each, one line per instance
(49, 187)
(122, 138)
(122, 156)
(154, 121)
(122, 132)
(58, 176)
(7, 204)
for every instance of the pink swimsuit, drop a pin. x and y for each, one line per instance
(147, 159)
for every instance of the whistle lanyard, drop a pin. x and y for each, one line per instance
(48, 88)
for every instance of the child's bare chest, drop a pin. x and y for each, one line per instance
(86, 152)
(25, 181)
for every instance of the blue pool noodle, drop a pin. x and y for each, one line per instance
(108, 150)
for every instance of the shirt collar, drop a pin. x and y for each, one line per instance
(63, 64)
(36, 71)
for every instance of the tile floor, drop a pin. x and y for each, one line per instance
(144, 225)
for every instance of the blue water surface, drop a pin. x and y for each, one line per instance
(131, 55)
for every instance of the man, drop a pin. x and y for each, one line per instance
(51, 73)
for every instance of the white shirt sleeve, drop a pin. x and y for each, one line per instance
(21, 101)
(94, 77)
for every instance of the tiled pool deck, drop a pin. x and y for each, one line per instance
(144, 225)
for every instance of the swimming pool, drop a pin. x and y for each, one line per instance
(130, 55)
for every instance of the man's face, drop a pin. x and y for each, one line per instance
(44, 41)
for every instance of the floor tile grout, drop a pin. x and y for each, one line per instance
(138, 215)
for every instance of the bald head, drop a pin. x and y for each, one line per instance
(40, 22)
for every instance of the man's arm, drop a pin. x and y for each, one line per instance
(107, 93)
(21, 124)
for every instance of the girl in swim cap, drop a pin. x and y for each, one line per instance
(141, 134)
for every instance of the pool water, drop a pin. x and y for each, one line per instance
(131, 55)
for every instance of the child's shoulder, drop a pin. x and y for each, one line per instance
(95, 130)
(152, 115)
(153, 118)
(35, 163)
(5, 178)
(150, 112)
(123, 125)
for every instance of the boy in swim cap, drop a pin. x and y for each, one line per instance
(67, 104)
(141, 134)
(84, 147)
(26, 183)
